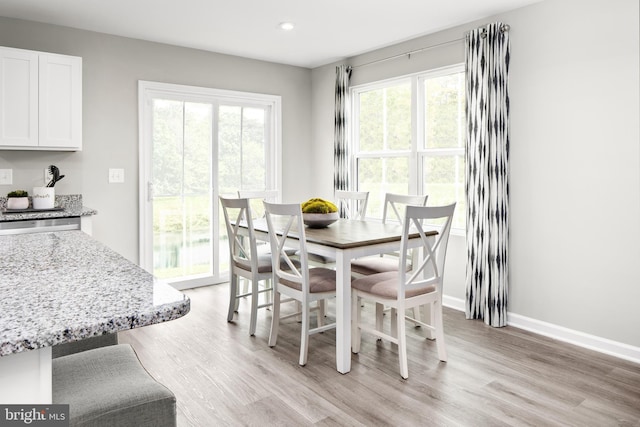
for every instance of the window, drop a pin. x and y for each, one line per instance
(408, 136)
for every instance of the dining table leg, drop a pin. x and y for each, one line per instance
(343, 311)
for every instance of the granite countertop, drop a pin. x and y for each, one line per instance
(71, 204)
(65, 286)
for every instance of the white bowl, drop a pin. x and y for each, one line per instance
(319, 220)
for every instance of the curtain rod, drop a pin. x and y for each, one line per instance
(408, 54)
(504, 28)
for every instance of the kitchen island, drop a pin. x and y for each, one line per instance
(65, 286)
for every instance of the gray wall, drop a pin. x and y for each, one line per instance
(112, 67)
(575, 159)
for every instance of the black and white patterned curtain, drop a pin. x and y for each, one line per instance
(487, 179)
(341, 130)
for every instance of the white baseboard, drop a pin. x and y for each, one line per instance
(581, 339)
(455, 303)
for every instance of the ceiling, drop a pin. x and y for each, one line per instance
(325, 30)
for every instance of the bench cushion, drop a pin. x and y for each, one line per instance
(109, 387)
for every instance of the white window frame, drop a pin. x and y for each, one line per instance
(147, 91)
(417, 152)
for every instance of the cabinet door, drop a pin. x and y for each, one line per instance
(60, 101)
(18, 98)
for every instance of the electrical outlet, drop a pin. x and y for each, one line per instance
(6, 176)
(116, 176)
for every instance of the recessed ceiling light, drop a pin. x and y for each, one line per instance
(286, 26)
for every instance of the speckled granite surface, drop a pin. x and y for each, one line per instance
(72, 204)
(65, 286)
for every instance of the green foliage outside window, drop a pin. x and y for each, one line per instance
(242, 152)
(385, 119)
(182, 178)
(386, 160)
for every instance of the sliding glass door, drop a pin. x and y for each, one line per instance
(196, 144)
(181, 189)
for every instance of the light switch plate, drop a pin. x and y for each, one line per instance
(6, 176)
(116, 176)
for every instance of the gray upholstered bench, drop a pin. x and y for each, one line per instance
(107, 386)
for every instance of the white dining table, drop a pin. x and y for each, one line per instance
(344, 241)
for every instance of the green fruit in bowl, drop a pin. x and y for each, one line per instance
(319, 206)
(319, 213)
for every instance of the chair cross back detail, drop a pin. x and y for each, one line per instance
(393, 203)
(243, 249)
(429, 270)
(353, 203)
(257, 197)
(278, 242)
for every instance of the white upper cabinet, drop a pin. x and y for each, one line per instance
(40, 101)
(60, 101)
(18, 98)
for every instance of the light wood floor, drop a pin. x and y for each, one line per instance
(494, 377)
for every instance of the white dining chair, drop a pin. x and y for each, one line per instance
(353, 203)
(298, 282)
(269, 195)
(403, 289)
(392, 212)
(244, 259)
(256, 197)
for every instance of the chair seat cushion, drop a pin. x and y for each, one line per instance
(320, 259)
(374, 265)
(108, 386)
(385, 285)
(264, 264)
(320, 280)
(265, 249)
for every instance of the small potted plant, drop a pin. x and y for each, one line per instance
(18, 199)
(319, 213)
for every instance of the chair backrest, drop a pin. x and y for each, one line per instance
(268, 195)
(395, 204)
(353, 203)
(242, 243)
(257, 197)
(429, 269)
(283, 221)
